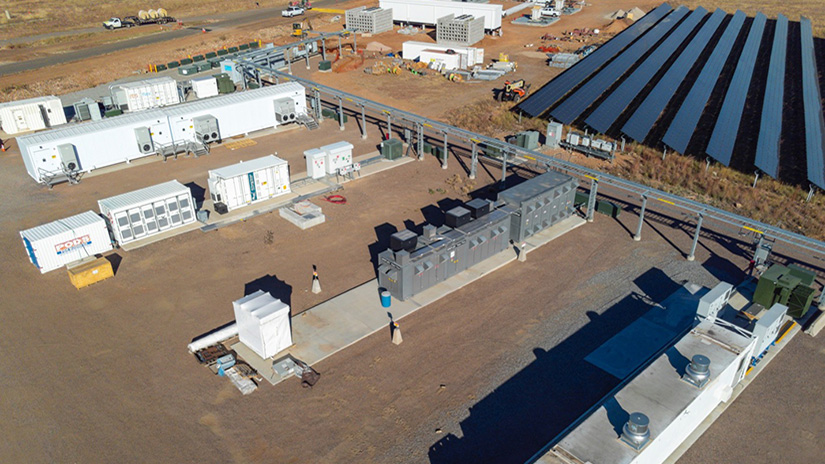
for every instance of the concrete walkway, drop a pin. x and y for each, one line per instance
(345, 319)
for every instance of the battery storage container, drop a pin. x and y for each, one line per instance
(56, 244)
(249, 182)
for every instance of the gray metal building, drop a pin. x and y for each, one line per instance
(539, 203)
(372, 20)
(463, 30)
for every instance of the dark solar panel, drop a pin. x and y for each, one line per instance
(684, 123)
(557, 88)
(770, 128)
(639, 125)
(575, 104)
(720, 146)
(812, 99)
(605, 115)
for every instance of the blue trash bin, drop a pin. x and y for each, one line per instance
(385, 299)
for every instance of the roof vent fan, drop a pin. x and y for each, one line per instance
(697, 373)
(636, 432)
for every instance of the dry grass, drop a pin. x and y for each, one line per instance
(811, 9)
(33, 17)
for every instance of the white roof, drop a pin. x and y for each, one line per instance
(29, 101)
(261, 306)
(246, 167)
(143, 196)
(144, 82)
(62, 225)
(74, 130)
(204, 78)
(233, 98)
(338, 146)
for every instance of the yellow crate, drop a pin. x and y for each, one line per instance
(91, 272)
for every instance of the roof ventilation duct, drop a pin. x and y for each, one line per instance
(697, 373)
(636, 432)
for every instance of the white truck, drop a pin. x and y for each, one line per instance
(159, 16)
(292, 11)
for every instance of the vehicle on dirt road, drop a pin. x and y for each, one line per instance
(143, 18)
(292, 11)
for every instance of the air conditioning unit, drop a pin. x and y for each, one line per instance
(206, 128)
(285, 111)
(68, 157)
(144, 140)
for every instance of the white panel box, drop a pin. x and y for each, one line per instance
(412, 50)
(316, 163)
(149, 211)
(65, 241)
(767, 328)
(205, 87)
(249, 182)
(428, 11)
(31, 114)
(714, 301)
(263, 323)
(338, 155)
(145, 94)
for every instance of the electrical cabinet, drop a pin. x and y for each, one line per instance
(316, 163)
(206, 128)
(144, 140)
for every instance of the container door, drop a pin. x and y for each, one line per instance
(123, 227)
(149, 219)
(174, 212)
(161, 215)
(183, 130)
(186, 210)
(136, 219)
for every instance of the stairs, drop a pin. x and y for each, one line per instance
(196, 148)
(308, 121)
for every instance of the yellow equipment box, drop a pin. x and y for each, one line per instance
(90, 272)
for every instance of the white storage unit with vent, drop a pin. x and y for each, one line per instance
(428, 11)
(65, 241)
(412, 50)
(316, 163)
(31, 114)
(148, 211)
(338, 155)
(145, 94)
(437, 59)
(263, 323)
(249, 182)
(205, 86)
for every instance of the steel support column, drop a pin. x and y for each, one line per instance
(444, 154)
(316, 95)
(389, 126)
(638, 235)
(419, 131)
(474, 160)
(363, 123)
(288, 57)
(503, 167)
(591, 200)
(323, 49)
(340, 113)
(692, 254)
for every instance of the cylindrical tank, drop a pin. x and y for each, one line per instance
(386, 299)
(213, 338)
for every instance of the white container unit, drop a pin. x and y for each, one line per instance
(249, 182)
(123, 138)
(205, 86)
(443, 60)
(65, 241)
(338, 155)
(31, 114)
(428, 11)
(316, 163)
(148, 211)
(145, 94)
(412, 50)
(263, 323)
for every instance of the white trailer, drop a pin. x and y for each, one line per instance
(205, 86)
(31, 114)
(98, 144)
(428, 11)
(65, 241)
(249, 182)
(145, 94)
(148, 211)
(337, 155)
(412, 50)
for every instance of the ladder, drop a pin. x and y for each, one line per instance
(308, 121)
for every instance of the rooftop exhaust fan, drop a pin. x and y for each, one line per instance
(636, 432)
(697, 373)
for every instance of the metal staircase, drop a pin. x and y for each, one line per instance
(50, 179)
(173, 149)
(307, 121)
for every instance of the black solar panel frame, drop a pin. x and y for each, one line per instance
(720, 146)
(553, 91)
(770, 127)
(575, 104)
(812, 100)
(683, 126)
(643, 119)
(615, 104)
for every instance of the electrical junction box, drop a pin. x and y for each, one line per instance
(457, 217)
(767, 328)
(403, 240)
(316, 163)
(714, 301)
(144, 140)
(206, 128)
(68, 156)
(338, 156)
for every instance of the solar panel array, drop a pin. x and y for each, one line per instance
(572, 107)
(733, 96)
(814, 131)
(684, 123)
(770, 129)
(720, 146)
(554, 90)
(606, 114)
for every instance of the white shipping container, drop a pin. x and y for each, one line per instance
(448, 61)
(31, 114)
(428, 11)
(412, 50)
(249, 182)
(338, 155)
(65, 241)
(205, 86)
(148, 211)
(316, 163)
(145, 94)
(263, 323)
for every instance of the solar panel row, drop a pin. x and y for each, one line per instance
(679, 133)
(814, 131)
(575, 104)
(770, 128)
(720, 146)
(609, 110)
(639, 125)
(554, 90)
